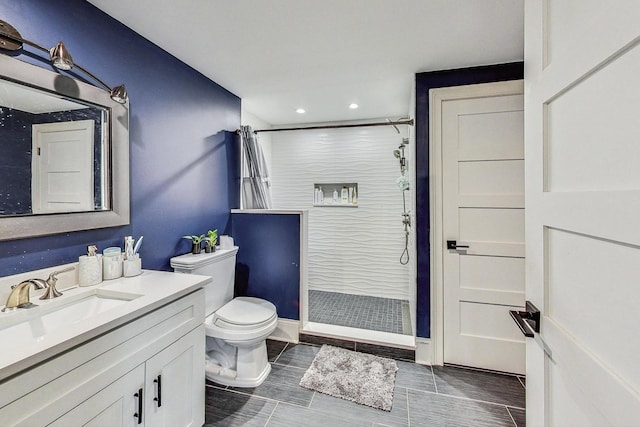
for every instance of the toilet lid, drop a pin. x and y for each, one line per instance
(242, 312)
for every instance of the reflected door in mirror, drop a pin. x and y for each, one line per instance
(62, 168)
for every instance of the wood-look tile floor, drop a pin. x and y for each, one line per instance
(423, 396)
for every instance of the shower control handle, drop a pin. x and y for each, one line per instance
(453, 245)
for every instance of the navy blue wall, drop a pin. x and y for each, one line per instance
(424, 82)
(15, 161)
(184, 157)
(268, 262)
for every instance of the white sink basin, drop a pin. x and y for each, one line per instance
(34, 324)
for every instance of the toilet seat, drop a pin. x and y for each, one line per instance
(242, 320)
(243, 313)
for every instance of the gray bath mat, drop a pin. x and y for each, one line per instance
(358, 377)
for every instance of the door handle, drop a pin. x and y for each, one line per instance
(528, 321)
(453, 245)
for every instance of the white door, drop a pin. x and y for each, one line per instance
(482, 143)
(62, 167)
(582, 151)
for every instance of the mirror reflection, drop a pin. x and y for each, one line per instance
(53, 153)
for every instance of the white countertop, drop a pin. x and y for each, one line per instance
(155, 289)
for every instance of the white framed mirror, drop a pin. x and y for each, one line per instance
(64, 154)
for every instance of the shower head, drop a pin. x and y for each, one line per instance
(405, 141)
(396, 153)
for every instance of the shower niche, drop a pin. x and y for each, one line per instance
(336, 194)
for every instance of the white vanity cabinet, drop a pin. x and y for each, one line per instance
(112, 380)
(162, 390)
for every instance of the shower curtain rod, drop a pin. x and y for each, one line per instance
(392, 123)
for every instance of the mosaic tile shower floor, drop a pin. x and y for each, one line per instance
(359, 311)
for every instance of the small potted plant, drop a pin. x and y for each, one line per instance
(196, 243)
(211, 240)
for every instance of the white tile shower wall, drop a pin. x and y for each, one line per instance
(351, 250)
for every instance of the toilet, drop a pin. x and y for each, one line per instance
(236, 328)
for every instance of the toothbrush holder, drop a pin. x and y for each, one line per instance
(132, 266)
(112, 266)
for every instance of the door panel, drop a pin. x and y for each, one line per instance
(499, 139)
(598, 268)
(470, 312)
(492, 225)
(582, 187)
(492, 273)
(491, 178)
(572, 126)
(483, 208)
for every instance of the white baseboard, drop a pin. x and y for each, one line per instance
(423, 351)
(287, 330)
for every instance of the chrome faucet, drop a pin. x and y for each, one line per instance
(19, 297)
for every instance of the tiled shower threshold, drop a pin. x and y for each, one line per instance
(360, 335)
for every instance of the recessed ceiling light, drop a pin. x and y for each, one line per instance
(300, 111)
(353, 106)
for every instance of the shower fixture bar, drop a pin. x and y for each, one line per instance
(408, 122)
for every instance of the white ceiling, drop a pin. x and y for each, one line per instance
(322, 55)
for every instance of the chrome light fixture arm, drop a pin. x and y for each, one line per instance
(10, 39)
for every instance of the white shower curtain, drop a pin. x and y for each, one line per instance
(256, 188)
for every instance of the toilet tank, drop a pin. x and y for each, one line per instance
(220, 265)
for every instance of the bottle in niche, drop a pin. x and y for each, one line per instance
(344, 195)
(335, 196)
(320, 196)
(354, 197)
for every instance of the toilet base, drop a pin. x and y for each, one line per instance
(252, 367)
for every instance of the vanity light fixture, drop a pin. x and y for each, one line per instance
(353, 106)
(61, 57)
(301, 111)
(10, 39)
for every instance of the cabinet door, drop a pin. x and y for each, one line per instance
(116, 405)
(175, 383)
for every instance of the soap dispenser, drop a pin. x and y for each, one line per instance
(90, 267)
